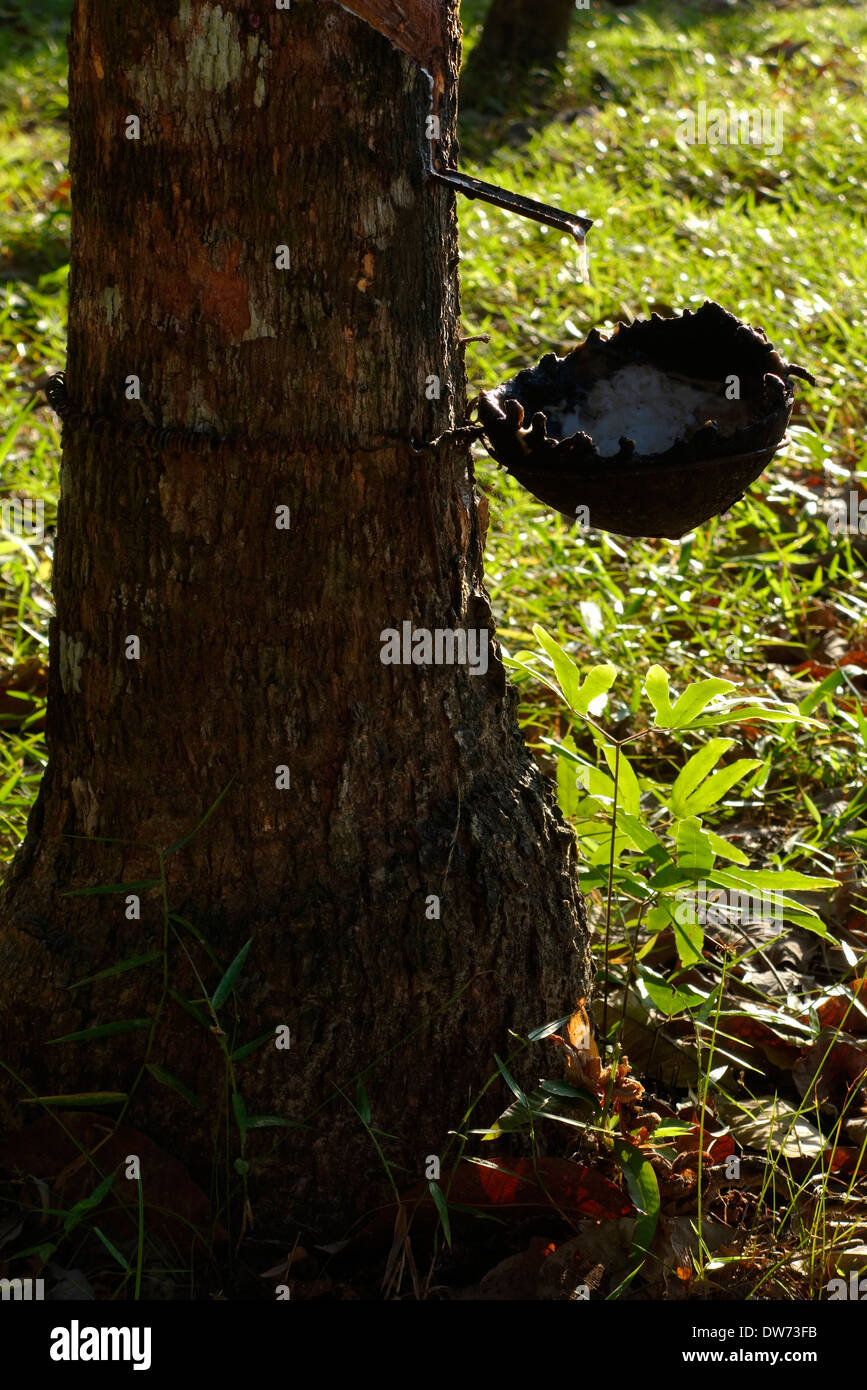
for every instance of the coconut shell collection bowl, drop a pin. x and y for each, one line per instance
(653, 430)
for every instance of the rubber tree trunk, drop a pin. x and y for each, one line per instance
(518, 36)
(406, 881)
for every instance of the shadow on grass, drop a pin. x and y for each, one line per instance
(507, 106)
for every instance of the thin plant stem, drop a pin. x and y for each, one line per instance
(610, 891)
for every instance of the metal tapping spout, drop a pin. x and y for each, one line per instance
(513, 202)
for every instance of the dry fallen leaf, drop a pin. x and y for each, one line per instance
(176, 1207)
(830, 1070)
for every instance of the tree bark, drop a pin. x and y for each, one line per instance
(260, 647)
(526, 33)
(518, 36)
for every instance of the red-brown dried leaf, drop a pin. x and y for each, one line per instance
(718, 1146)
(779, 1051)
(832, 1012)
(517, 1277)
(524, 1185)
(830, 1069)
(176, 1208)
(845, 1161)
(522, 1189)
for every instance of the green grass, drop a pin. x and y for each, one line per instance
(778, 241)
(34, 256)
(766, 596)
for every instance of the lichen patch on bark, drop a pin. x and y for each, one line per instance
(213, 48)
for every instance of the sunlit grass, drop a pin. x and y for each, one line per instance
(765, 596)
(779, 241)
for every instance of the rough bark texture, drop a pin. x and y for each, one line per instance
(260, 647)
